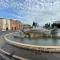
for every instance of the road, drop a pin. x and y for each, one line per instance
(28, 54)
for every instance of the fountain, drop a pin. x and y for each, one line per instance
(35, 41)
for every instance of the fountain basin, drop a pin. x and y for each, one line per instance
(45, 46)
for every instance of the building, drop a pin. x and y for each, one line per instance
(15, 24)
(27, 26)
(10, 24)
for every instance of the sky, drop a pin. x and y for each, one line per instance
(27, 11)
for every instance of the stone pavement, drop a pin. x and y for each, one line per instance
(29, 54)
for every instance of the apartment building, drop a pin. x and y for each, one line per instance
(10, 24)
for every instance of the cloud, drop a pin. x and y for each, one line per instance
(33, 10)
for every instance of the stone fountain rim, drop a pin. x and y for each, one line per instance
(29, 46)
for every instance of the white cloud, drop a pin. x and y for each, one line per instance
(45, 10)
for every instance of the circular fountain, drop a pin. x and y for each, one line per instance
(32, 41)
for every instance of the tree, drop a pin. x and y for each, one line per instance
(47, 25)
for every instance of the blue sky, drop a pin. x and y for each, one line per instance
(27, 11)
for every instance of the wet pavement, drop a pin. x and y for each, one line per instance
(6, 57)
(31, 55)
(1, 58)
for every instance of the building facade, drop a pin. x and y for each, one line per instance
(10, 24)
(27, 26)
